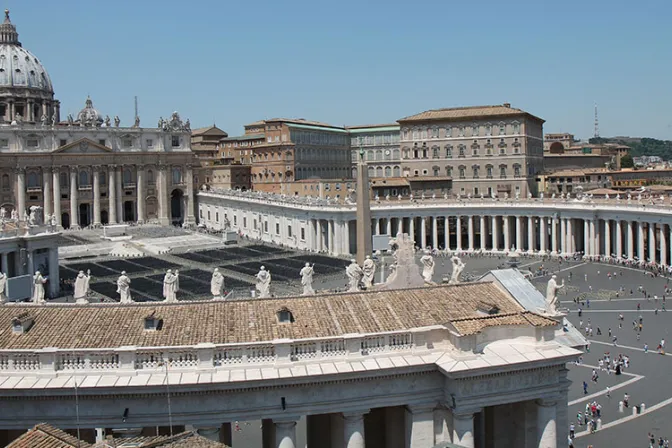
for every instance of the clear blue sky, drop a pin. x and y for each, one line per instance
(357, 62)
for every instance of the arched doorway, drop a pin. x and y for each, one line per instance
(104, 217)
(129, 211)
(84, 219)
(177, 207)
(65, 220)
(556, 148)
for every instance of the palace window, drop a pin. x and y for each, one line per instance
(488, 171)
(102, 178)
(449, 132)
(516, 128)
(32, 143)
(435, 152)
(474, 130)
(128, 176)
(502, 129)
(396, 171)
(460, 131)
(475, 169)
(177, 176)
(84, 179)
(461, 149)
(449, 171)
(150, 143)
(462, 172)
(488, 129)
(175, 141)
(516, 170)
(449, 152)
(62, 142)
(126, 143)
(33, 180)
(5, 182)
(502, 172)
(435, 132)
(64, 180)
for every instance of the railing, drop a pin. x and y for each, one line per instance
(211, 356)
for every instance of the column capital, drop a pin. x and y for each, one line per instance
(355, 414)
(140, 166)
(546, 402)
(73, 169)
(421, 408)
(162, 167)
(112, 166)
(96, 168)
(56, 169)
(19, 170)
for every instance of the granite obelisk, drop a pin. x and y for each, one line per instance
(364, 243)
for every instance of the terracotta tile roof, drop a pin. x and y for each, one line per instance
(113, 325)
(468, 113)
(46, 436)
(474, 325)
(186, 439)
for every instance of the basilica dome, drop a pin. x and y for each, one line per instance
(19, 68)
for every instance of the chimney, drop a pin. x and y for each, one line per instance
(22, 323)
(507, 105)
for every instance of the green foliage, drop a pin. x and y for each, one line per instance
(641, 146)
(627, 162)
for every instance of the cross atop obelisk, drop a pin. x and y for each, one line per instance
(364, 243)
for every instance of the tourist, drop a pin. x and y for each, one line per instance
(571, 431)
(585, 388)
(626, 399)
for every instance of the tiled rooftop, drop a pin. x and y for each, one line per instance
(46, 436)
(113, 325)
(186, 439)
(471, 112)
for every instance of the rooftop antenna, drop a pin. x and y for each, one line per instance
(136, 107)
(597, 125)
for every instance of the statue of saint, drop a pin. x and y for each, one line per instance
(171, 284)
(38, 288)
(124, 288)
(44, 119)
(107, 121)
(369, 271)
(552, 294)
(3, 286)
(307, 279)
(458, 267)
(117, 121)
(263, 283)
(217, 284)
(82, 286)
(427, 267)
(354, 273)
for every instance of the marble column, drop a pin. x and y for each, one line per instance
(74, 208)
(519, 234)
(353, 429)
(640, 241)
(495, 233)
(607, 238)
(554, 235)
(140, 186)
(663, 244)
(435, 232)
(420, 426)
(463, 429)
(586, 238)
(446, 233)
(96, 195)
(47, 197)
(619, 239)
(111, 196)
(377, 226)
(470, 230)
(346, 237)
(21, 192)
(546, 425)
(163, 194)
(330, 237)
(411, 229)
(483, 233)
(530, 234)
(631, 240)
(120, 193)
(4, 263)
(285, 434)
(507, 233)
(543, 235)
(191, 198)
(594, 246)
(652, 242)
(389, 227)
(54, 283)
(56, 181)
(423, 232)
(458, 230)
(571, 240)
(563, 236)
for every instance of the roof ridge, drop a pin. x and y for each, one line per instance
(59, 434)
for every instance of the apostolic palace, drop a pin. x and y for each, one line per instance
(138, 352)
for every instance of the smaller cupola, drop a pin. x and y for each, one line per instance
(153, 322)
(285, 316)
(22, 323)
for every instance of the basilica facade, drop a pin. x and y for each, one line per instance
(85, 170)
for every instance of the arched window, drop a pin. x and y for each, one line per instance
(177, 176)
(461, 149)
(150, 177)
(396, 171)
(388, 171)
(84, 178)
(395, 154)
(449, 171)
(435, 152)
(462, 172)
(488, 171)
(128, 176)
(449, 152)
(372, 171)
(502, 171)
(379, 155)
(33, 180)
(379, 171)
(516, 170)
(475, 168)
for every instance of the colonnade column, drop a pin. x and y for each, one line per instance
(458, 232)
(120, 193)
(507, 233)
(519, 233)
(446, 233)
(389, 227)
(482, 232)
(530, 234)
(563, 236)
(346, 237)
(420, 426)
(652, 242)
(353, 429)
(330, 237)
(495, 233)
(46, 192)
(586, 238)
(74, 219)
(21, 192)
(191, 199)
(619, 239)
(285, 434)
(640, 241)
(631, 240)
(56, 181)
(54, 283)
(571, 248)
(112, 196)
(543, 235)
(470, 228)
(435, 232)
(96, 195)
(663, 245)
(411, 228)
(546, 426)
(163, 194)
(377, 226)
(554, 235)
(594, 245)
(423, 232)
(607, 238)
(141, 193)
(463, 429)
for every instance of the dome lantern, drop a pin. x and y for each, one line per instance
(8, 34)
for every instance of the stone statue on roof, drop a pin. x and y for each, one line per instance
(38, 288)
(355, 274)
(171, 284)
(306, 274)
(82, 287)
(369, 272)
(217, 285)
(427, 267)
(117, 121)
(107, 121)
(3, 286)
(552, 289)
(124, 288)
(44, 120)
(458, 267)
(263, 283)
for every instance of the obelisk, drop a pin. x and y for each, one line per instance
(364, 243)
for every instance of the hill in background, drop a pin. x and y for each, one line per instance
(641, 146)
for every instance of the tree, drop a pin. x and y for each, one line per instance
(627, 162)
